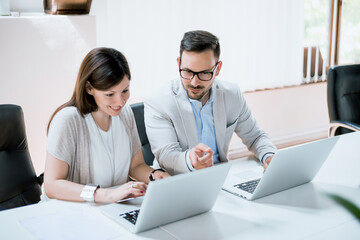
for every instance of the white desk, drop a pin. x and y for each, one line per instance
(11, 226)
(303, 212)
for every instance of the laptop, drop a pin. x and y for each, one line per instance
(171, 199)
(290, 167)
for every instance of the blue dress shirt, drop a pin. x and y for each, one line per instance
(205, 128)
(204, 120)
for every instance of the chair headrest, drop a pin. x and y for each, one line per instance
(12, 128)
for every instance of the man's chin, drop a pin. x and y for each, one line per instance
(194, 96)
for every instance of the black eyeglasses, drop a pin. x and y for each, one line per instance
(202, 76)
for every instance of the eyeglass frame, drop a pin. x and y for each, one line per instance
(197, 73)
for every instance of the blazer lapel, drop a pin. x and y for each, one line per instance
(186, 114)
(219, 114)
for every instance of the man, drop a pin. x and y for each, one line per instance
(190, 123)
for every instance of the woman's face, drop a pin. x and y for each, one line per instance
(112, 100)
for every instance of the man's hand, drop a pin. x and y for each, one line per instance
(267, 162)
(201, 156)
(160, 175)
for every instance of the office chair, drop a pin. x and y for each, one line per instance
(138, 109)
(19, 184)
(343, 96)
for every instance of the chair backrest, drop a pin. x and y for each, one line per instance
(343, 94)
(19, 184)
(138, 109)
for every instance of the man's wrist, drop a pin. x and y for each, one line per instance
(269, 154)
(188, 161)
(152, 177)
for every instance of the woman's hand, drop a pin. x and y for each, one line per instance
(127, 190)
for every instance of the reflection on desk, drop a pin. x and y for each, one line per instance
(304, 212)
(297, 213)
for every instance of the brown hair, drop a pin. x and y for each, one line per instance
(200, 41)
(103, 68)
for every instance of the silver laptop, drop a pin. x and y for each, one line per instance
(289, 168)
(171, 199)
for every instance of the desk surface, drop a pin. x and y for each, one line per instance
(303, 212)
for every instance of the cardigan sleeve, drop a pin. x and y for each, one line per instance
(62, 138)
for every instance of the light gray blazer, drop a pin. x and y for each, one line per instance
(171, 129)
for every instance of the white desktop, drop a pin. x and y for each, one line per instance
(303, 212)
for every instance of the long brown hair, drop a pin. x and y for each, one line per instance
(103, 68)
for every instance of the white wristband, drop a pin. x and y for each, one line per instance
(88, 192)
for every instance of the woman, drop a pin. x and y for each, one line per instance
(93, 140)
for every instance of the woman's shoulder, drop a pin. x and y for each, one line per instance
(68, 114)
(127, 112)
(66, 111)
(127, 115)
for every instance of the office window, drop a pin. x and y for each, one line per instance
(316, 39)
(349, 48)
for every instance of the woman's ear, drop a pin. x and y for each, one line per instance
(89, 88)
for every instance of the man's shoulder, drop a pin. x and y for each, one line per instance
(165, 94)
(226, 86)
(228, 89)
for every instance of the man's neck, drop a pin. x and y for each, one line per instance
(205, 98)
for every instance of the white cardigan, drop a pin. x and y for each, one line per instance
(68, 140)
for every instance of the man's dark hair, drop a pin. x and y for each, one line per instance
(200, 41)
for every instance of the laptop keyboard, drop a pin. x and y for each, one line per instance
(131, 216)
(248, 186)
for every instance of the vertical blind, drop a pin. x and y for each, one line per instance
(261, 40)
(316, 39)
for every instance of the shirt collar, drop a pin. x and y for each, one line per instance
(198, 103)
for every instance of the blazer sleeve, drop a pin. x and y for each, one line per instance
(163, 139)
(250, 133)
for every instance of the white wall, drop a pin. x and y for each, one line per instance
(40, 57)
(26, 5)
(39, 60)
(290, 116)
(261, 41)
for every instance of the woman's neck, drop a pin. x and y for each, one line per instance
(103, 120)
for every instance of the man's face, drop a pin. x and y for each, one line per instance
(198, 62)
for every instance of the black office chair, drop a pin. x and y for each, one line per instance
(138, 109)
(19, 184)
(343, 95)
